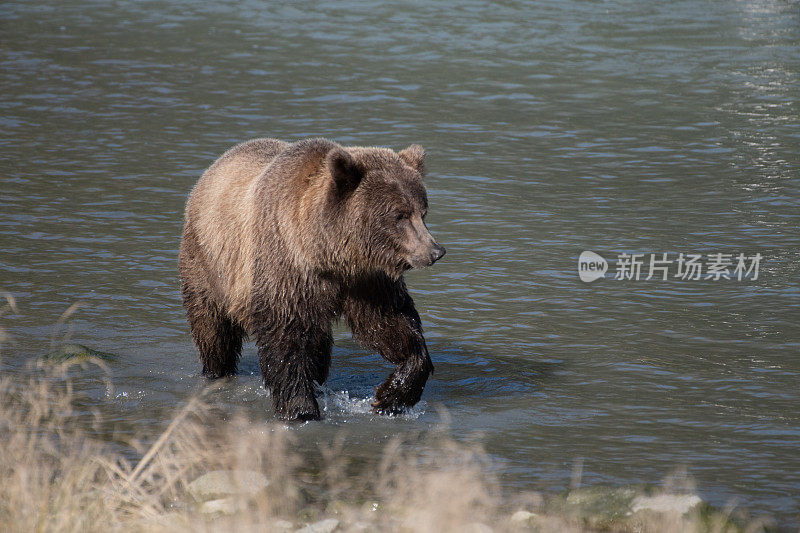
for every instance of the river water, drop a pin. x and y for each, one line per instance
(551, 128)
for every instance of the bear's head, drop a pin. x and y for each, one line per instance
(380, 204)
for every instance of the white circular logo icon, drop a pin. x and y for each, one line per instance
(591, 266)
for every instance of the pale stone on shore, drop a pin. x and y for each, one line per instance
(223, 483)
(521, 516)
(477, 527)
(323, 526)
(221, 506)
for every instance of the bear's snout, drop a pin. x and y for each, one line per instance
(423, 248)
(437, 252)
(428, 255)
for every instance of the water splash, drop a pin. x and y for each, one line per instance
(343, 402)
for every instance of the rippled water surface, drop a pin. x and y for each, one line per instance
(551, 128)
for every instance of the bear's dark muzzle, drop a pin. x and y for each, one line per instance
(427, 256)
(437, 253)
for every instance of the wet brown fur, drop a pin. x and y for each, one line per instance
(281, 239)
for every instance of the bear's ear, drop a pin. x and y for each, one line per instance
(346, 175)
(414, 156)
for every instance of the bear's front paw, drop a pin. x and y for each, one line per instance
(386, 404)
(391, 399)
(403, 388)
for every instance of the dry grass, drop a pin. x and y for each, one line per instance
(55, 478)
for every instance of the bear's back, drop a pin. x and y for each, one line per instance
(220, 214)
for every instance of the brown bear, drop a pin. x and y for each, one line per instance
(281, 239)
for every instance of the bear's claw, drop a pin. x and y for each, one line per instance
(403, 388)
(393, 397)
(386, 407)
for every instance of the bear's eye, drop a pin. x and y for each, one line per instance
(402, 215)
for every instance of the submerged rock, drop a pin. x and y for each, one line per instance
(679, 504)
(605, 502)
(77, 353)
(220, 484)
(323, 526)
(623, 508)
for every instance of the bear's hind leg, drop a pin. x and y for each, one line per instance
(218, 338)
(293, 356)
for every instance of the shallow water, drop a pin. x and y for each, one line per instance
(551, 127)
